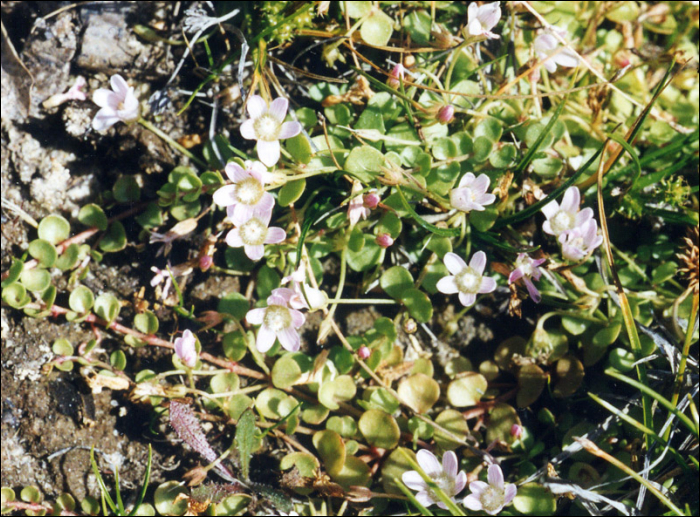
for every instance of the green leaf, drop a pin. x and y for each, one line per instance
(418, 24)
(482, 149)
(489, 128)
(115, 238)
(54, 228)
(331, 450)
(15, 295)
(81, 300)
(357, 9)
(377, 29)
(503, 157)
(126, 190)
(13, 273)
(118, 360)
(369, 256)
(483, 220)
(541, 138)
(533, 499)
(234, 304)
(379, 429)
(36, 280)
(245, 440)
(291, 191)
(107, 307)
(235, 345)
(146, 322)
(418, 305)
(547, 167)
(93, 216)
(69, 258)
(364, 163)
(444, 148)
(444, 232)
(300, 148)
(43, 251)
(268, 280)
(395, 281)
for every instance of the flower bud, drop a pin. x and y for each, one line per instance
(384, 240)
(446, 114)
(516, 431)
(205, 262)
(364, 352)
(371, 200)
(396, 77)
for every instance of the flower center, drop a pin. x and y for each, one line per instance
(445, 482)
(562, 221)
(525, 266)
(277, 318)
(249, 191)
(267, 128)
(468, 281)
(492, 499)
(253, 232)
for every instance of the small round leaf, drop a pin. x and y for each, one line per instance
(43, 251)
(81, 300)
(92, 215)
(54, 229)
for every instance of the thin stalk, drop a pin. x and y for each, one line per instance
(372, 301)
(172, 143)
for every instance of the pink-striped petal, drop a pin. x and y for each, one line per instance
(289, 129)
(429, 463)
(105, 99)
(275, 235)
(495, 476)
(467, 180)
(550, 209)
(460, 482)
(233, 238)
(515, 275)
(481, 183)
(298, 318)
(289, 339)
(488, 285)
(449, 464)
(265, 340)
(447, 285)
(509, 493)
(472, 502)
(225, 196)
(104, 119)
(254, 252)
(255, 316)
(454, 263)
(278, 108)
(478, 487)
(256, 106)
(248, 130)
(571, 201)
(119, 85)
(478, 262)
(269, 152)
(413, 480)
(467, 299)
(532, 290)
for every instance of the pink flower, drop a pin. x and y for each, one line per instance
(446, 114)
(267, 126)
(397, 75)
(371, 200)
(481, 19)
(317, 299)
(384, 240)
(185, 348)
(547, 47)
(278, 321)
(490, 497)
(578, 243)
(74, 93)
(356, 206)
(471, 193)
(467, 280)
(252, 233)
(527, 268)
(516, 431)
(363, 352)
(564, 217)
(117, 104)
(246, 196)
(445, 476)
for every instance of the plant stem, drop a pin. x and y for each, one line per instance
(172, 143)
(373, 301)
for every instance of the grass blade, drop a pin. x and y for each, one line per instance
(101, 482)
(442, 232)
(529, 156)
(422, 509)
(144, 487)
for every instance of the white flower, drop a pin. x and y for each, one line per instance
(185, 348)
(252, 233)
(247, 196)
(356, 207)
(74, 93)
(527, 268)
(490, 497)
(317, 299)
(471, 193)
(564, 217)
(117, 104)
(467, 280)
(278, 321)
(481, 19)
(445, 476)
(547, 48)
(267, 126)
(578, 243)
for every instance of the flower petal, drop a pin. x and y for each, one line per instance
(225, 196)
(278, 109)
(474, 27)
(275, 235)
(256, 107)
(289, 129)
(532, 290)
(119, 85)
(233, 238)
(460, 482)
(477, 487)
(280, 296)
(248, 130)
(550, 65)
(584, 216)
(485, 199)
(488, 285)
(467, 180)
(467, 299)
(298, 318)
(566, 58)
(472, 11)
(266, 204)
(478, 262)
(236, 173)
(413, 480)
(289, 339)
(105, 98)
(571, 201)
(429, 463)
(425, 498)
(269, 152)
(547, 228)
(515, 275)
(449, 464)
(454, 263)
(550, 209)
(255, 316)
(495, 476)
(481, 183)
(104, 119)
(265, 340)
(254, 252)
(473, 503)
(447, 285)
(510, 491)
(490, 14)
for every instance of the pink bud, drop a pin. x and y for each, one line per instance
(384, 240)
(516, 431)
(446, 114)
(396, 76)
(371, 200)
(205, 262)
(364, 352)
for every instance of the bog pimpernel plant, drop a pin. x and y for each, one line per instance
(465, 250)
